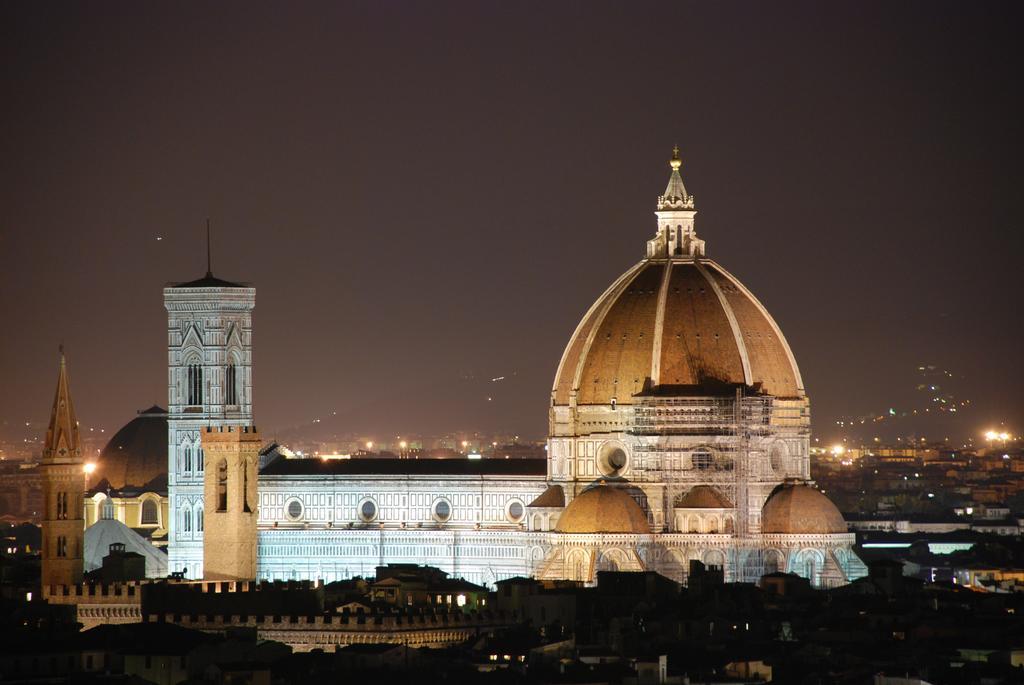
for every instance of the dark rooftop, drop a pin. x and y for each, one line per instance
(448, 467)
(209, 281)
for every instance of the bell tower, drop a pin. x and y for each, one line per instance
(209, 383)
(229, 488)
(63, 488)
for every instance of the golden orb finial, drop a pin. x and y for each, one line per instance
(675, 162)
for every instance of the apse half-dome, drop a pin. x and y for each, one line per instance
(798, 509)
(137, 454)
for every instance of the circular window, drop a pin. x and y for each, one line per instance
(442, 510)
(293, 509)
(516, 511)
(368, 510)
(612, 459)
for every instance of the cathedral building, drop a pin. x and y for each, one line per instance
(679, 431)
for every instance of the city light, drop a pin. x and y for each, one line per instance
(88, 468)
(369, 445)
(838, 450)
(1001, 436)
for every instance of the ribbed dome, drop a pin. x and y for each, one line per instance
(603, 509)
(703, 497)
(137, 453)
(800, 509)
(675, 326)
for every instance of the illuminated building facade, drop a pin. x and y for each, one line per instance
(209, 383)
(679, 431)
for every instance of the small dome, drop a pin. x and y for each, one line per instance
(603, 509)
(800, 509)
(137, 453)
(703, 497)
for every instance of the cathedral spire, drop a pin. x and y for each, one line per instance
(62, 442)
(676, 236)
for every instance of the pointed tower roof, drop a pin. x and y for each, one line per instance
(675, 196)
(209, 280)
(62, 443)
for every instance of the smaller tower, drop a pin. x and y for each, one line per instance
(676, 235)
(229, 492)
(63, 488)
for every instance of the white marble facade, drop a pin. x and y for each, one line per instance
(209, 383)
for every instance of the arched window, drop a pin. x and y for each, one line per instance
(187, 458)
(107, 509)
(222, 485)
(199, 519)
(245, 488)
(231, 383)
(186, 520)
(195, 384)
(149, 512)
(200, 456)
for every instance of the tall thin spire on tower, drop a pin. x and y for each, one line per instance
(209, 269)
(62, 441)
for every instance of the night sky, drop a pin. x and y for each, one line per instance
(430, 195)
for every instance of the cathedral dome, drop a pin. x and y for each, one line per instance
(603, 509)
(796, 509)
(675, 324)
(137, 453)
